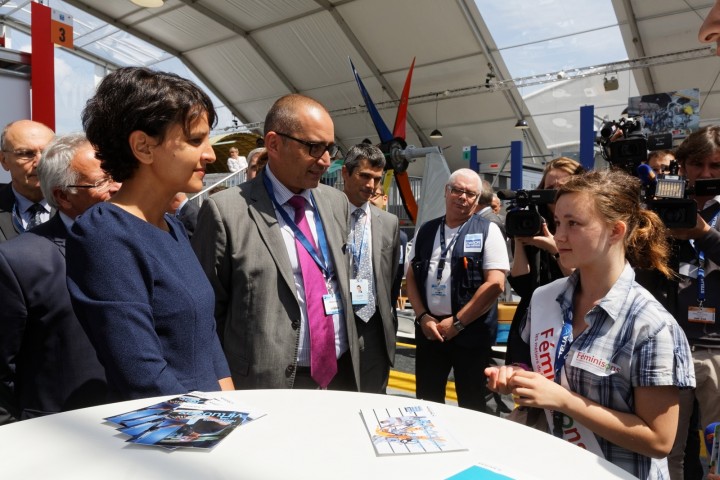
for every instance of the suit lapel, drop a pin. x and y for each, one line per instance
(377, 236)
(7, 201)
(263, 214)
(336, 242)
(57, 232)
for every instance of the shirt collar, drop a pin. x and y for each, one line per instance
(612, 302)
(282, 193)
(23, 203)
(67, 220)
(364, 207)
(711, 202)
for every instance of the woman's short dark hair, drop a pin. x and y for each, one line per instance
(137, 98)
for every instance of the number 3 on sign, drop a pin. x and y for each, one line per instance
(61, 25)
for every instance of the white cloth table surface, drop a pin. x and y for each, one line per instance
(306, 434)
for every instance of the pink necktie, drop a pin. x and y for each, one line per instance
(323, 362)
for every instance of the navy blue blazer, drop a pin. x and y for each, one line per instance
(46, 360)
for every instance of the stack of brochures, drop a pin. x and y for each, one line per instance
(194, 420)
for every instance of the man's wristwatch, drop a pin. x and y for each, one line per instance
(419, 318)
(456, 323)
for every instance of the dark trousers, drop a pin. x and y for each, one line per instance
(432, 367)
(343, 380)
(374, 361)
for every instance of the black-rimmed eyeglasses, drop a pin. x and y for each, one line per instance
(101, 185)
(316, 150)
(459, 192)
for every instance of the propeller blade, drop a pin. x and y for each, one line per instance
(382, 129)
(399, 129)
(406, 194)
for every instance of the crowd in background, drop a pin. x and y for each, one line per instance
(114, 287)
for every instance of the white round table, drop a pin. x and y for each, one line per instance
(305, 434)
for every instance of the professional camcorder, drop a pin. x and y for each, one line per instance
(667, 194)
(523, 219)
(623, 144)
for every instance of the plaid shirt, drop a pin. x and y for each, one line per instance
(629, 328)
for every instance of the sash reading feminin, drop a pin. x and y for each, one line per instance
(548, 338)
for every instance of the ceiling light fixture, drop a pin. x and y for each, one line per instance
(436, 133)
(522, 124)
(611, 83)
(148, 3)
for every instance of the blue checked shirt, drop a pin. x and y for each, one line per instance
(629, 328)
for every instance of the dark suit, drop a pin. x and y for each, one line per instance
(188, 216)
(240, 245)
(46, 359)
(397, 283)
(7, 202)
(377, 336)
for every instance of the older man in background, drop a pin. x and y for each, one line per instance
(22, 205)
(47, 363)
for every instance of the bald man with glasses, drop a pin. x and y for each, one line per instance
(22, 205)
(274, 250)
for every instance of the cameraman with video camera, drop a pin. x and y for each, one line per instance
(535, 260)
(694, 298)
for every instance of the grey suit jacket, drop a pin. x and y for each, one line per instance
(7, 201)
(240, 246)
(386, 256)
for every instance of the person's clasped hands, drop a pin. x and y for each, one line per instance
(440, 330)
(528, 389)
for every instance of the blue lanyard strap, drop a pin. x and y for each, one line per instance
(357, 252)
(701, 266)
(564, 342)
(444, 249)
(17, 219)
(300, 236)
(561, 353)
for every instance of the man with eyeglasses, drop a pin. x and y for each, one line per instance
(458, 267)
(374, 244)
(22, 205)
(274, 250)
(47, 363)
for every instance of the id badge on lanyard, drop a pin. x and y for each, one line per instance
(701, 313)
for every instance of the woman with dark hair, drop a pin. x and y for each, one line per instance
(136, 285)
(607, 360)
(535, 260)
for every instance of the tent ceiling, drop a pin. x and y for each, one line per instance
(249, 52)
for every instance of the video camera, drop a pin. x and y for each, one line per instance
(667, 194)
(523, 219)
(623, 144)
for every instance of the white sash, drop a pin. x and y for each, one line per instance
(544, 336)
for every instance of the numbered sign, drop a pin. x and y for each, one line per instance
(61, 26)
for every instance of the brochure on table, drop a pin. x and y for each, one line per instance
(193, 420)
(408, 430)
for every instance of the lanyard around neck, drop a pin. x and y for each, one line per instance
(357, 251)
(444, 249)
(561, 353)
(701, 266)
(300, 236)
